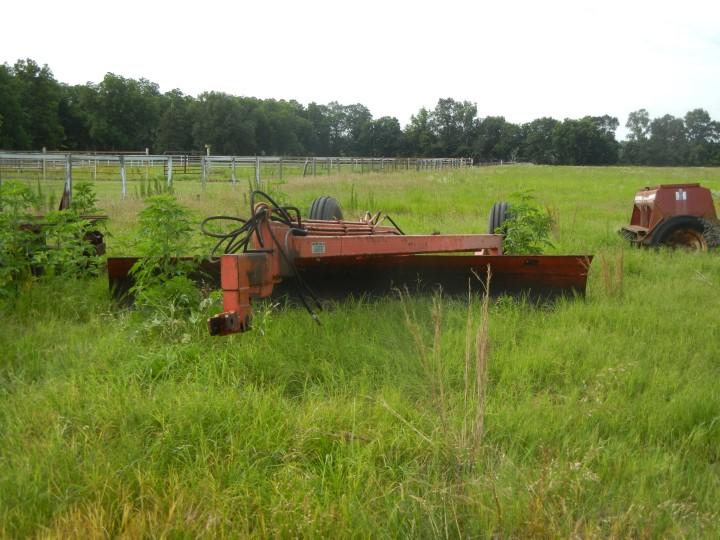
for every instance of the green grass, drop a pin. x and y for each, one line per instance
(602, 416)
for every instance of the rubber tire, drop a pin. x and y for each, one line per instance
(663, 231)
(499, 212)
(325, 208)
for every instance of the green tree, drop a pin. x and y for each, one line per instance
(73, 112)
(703, 138)
(318, 142)
(223, 122)
(667, 144)
(13, 120)
(537, 141)
(175, 127)
(381, 137)
(587, 141)
(635, 149)
(346, 124)
(40, 99)
(454, 125)
(497, 139)
(418, 137)
(285, 127)
(124, 113)
(638, 125)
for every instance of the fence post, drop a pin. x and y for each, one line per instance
(147, 164)
(233, 176)
(281, 168)
(68, 176)
(314, 166)
(44, 164)
(203, 171)
(257, 172)
(169, 172)
(123, 178)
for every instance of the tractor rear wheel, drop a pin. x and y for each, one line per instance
(499, 212)
(325, 208)
(681, 232)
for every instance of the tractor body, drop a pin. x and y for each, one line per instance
(676, 215)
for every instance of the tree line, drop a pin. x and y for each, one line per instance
(127, 114)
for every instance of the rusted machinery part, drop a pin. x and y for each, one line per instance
(537, 277)
(325, 208)
(681, 232)
(499, 213)
(65, 199)
(712, 233)
(632, 236)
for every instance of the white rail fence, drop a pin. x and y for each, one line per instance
(134, 167)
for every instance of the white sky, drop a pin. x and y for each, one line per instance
(520, 59)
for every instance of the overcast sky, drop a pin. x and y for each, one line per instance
(519, 59)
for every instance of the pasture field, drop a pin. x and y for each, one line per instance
(600, 419)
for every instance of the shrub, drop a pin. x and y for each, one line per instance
(527, 228)
(31, 247)
(18, 239)
(165, 232)
(66, 249)
(84, 199)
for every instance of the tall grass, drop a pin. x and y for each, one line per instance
(421, 417)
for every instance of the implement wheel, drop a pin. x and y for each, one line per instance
(681, 232)
(325, 208)
(499, 212)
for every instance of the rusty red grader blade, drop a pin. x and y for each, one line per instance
(276, 253)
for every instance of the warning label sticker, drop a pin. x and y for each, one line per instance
(318, 247)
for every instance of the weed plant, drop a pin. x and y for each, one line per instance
(527, 227)
(161, 276)
(34, 246)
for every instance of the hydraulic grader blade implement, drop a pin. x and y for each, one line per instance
(275, 254)
(333, 257)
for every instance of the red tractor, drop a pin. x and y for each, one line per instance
(674, 215)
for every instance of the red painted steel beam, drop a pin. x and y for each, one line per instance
(308, 247)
